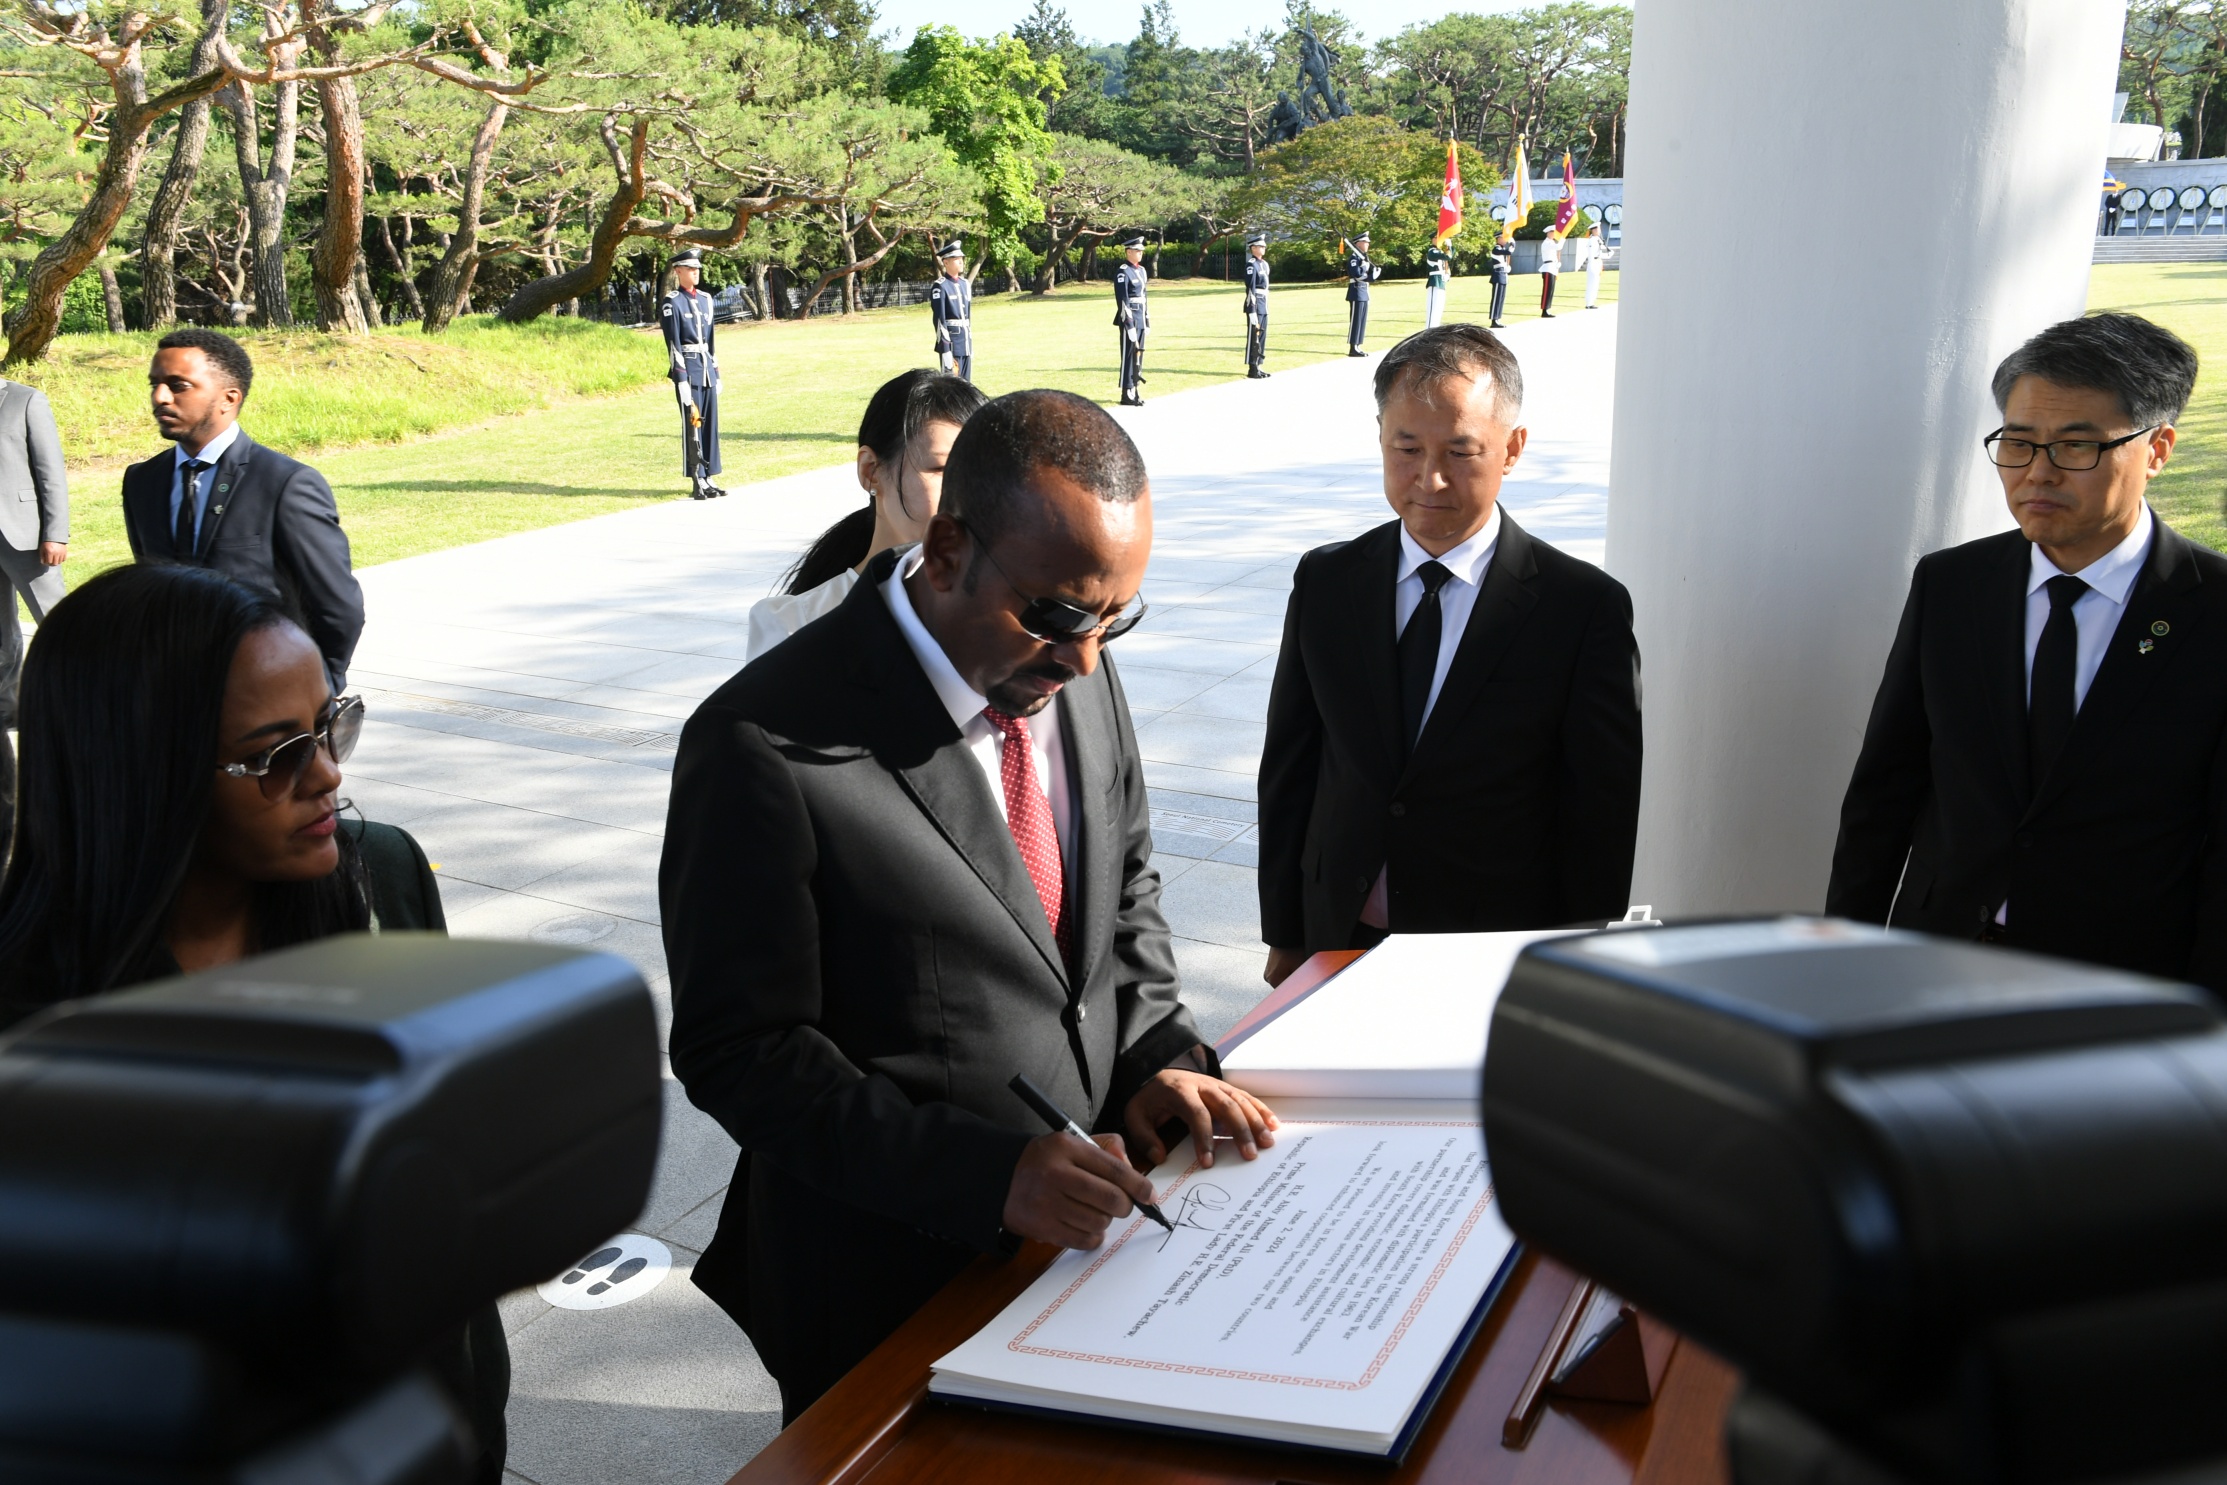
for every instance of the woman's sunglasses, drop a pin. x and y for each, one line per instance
(280, 768)
(1055, 621)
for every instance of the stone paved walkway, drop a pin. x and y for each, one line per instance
(525, 697)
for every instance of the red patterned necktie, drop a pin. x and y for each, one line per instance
(1028, 814)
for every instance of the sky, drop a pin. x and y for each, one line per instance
(1201, 22)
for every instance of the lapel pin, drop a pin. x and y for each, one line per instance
(224, 487)
(2145, 647)
(2161, 629)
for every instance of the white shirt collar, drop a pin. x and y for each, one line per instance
(213, 452)
(961, 700)
(2111, 574)
(1466, 562)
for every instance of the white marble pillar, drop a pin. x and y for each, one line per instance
(1840, 214)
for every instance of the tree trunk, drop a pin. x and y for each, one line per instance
(532, 300)
(402, 270)
(453, 275)
(332, 264)
(763, 304)
(364, 296)
(266, 189)
(32, 328)
(158, 250)
(112, 298)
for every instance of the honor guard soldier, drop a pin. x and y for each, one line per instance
(1436, 260)
(1133, 321)
(1359, 274)
(1256, 305)
(951, 306)
(687, 317)
(1503, 264)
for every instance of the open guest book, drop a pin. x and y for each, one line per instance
(1321, 1295)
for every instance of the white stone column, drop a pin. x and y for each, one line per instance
(1840, 214)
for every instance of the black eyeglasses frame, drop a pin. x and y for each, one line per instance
(1995, 440)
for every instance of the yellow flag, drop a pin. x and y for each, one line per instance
(1519, 197)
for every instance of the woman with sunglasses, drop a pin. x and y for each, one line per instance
(903, 442)
(180, 776)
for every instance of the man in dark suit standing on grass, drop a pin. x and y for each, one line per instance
(909, 856)
(1453, 732)
(2046, 762)
(221, 500)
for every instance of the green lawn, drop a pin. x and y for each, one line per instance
(2191, 300)
(524, 442)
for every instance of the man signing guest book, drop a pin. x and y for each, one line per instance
(909, 856)
(1453, 731)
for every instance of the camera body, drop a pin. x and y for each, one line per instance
(238, 1208)
(1964, 1207)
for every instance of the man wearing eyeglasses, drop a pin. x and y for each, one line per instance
(909, 857)
(2046, 761)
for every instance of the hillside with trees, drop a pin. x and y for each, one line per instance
(350, 165)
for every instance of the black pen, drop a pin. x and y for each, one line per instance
(1050, 1113)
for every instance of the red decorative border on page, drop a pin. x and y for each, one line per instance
(1375, 1366)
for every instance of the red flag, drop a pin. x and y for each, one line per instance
(1567, 211)
(1449, 200)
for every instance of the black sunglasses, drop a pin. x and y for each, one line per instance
(280, 767)
(1055, 621)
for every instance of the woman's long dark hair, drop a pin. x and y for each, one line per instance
(122, 704)
(899, 409)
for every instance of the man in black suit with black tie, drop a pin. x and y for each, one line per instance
(2046, 761)
(909, 856)
(1453, 732)
(222, 500)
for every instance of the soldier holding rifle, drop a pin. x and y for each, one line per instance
(1132, 320)
(687, 318)
(951, 306)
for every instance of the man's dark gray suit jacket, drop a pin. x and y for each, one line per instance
(270, 524)
(860, 965)
(2119, 855)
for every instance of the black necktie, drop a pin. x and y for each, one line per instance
(2050, 703)
(189, 507)
(1419, 652)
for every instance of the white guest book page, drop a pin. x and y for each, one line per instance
(1310, 1296)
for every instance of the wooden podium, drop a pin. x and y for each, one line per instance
(879, 1424)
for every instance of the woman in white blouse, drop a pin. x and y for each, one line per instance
(903, 441)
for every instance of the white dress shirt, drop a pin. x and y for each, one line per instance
(2110, 578)
(211, 451)
(1457, 599)
(1468, 563)
(965, 705)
